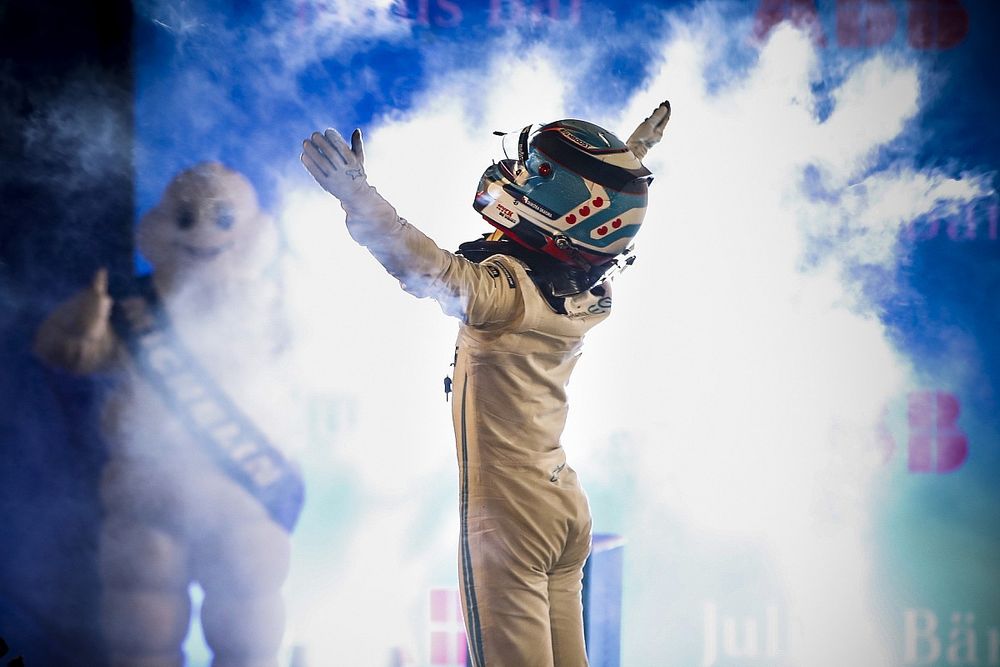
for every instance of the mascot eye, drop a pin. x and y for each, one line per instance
(224, 217)
(185, 218)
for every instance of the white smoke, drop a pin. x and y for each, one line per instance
(736, 390)
(748, 386)
(308, 31)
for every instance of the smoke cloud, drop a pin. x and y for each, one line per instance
(733, 399)
(722, 420)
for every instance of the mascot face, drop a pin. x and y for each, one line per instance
(208, 222)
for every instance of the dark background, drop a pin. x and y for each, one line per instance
(58, 223)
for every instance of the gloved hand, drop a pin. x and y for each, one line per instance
(337, 167)
(92, 308)
(77, 335)
(650, 131)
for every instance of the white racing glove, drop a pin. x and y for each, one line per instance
(650, 131)
(337, 167)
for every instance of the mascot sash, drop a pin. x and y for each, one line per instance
(233, 441)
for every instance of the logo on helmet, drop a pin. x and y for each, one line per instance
(538, 207)
(576, 140)
(506, 212)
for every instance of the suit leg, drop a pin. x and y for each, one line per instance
(565, 589)
(566, 616)
(505, 600)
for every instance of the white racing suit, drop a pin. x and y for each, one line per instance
(525, 520)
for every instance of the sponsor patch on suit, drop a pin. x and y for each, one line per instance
(495, 268)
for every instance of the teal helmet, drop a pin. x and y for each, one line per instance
(575, 192)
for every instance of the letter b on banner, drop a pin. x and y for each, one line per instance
(936, 443)
(920, 629)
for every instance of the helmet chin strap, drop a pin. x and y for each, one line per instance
(563, 243)
(555, 279)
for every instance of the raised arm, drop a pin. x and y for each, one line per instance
(479, 295)
(650, 131)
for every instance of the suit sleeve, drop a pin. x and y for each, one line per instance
(481, 295)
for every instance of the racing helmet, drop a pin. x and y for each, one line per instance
(575, 192)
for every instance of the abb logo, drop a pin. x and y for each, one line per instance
(930, 24)
(935, 443)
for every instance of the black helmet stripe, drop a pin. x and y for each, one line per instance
(522, 145)
(552, 143)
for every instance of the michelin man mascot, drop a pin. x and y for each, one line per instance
(565, 211)
(195, 488)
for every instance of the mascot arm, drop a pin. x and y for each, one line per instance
(77, 336)
(481, 296)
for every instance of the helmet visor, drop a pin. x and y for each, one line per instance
(515, 144)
